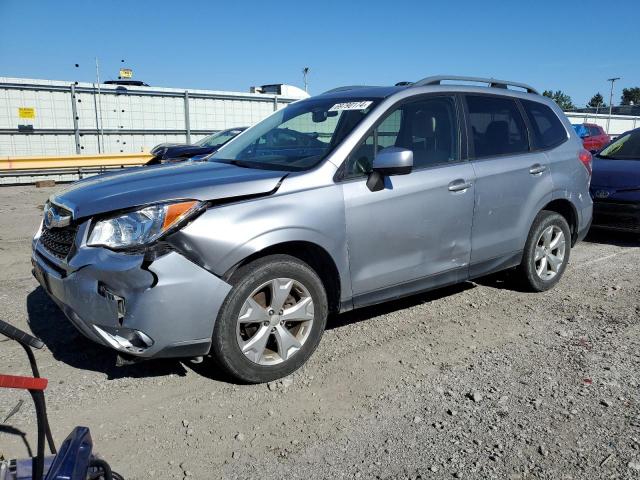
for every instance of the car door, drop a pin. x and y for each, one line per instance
(512, 181)
(415, 233)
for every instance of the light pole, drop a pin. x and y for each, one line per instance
(100, 104)
(305, 72)
(612, 80)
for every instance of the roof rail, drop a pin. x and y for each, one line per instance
(492, 82)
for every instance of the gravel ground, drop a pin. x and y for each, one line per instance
(474, 381)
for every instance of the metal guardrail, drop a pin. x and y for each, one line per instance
(32, 163)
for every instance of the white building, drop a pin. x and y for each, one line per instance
(46, 117)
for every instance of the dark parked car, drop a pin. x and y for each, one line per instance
(593, 136)
(615, 186)
(178, 152)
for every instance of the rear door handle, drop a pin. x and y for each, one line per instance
(459, 185)
(537, 169)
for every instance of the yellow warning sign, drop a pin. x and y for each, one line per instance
(126, 73)
(27, 112)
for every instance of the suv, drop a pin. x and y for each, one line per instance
(382, 192)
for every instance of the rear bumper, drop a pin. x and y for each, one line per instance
(585, 218)
(623, 217)
(164, 309)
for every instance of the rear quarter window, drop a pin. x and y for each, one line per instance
(547, 129)
(595, 131)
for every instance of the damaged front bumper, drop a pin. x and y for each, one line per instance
(158, 309)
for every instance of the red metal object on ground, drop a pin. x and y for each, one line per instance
(23, 383)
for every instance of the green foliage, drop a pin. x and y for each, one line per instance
(597, 101)
(630, 95)
(562, 99)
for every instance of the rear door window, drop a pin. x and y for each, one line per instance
(548, 131)
(496, 126)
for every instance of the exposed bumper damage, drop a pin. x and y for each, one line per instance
(166, 308)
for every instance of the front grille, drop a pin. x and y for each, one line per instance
(58, 241)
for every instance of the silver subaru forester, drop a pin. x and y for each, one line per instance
(350, 198)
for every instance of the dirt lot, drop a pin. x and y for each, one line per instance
(474, 381)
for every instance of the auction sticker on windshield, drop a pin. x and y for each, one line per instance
(350, 106)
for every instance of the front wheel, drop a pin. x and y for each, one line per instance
(271, 321)
(546, 253)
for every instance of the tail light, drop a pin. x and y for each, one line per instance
(585, 157)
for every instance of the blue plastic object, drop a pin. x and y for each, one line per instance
(72, 460)
(581, 130)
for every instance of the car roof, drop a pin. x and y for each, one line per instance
(461, 84)
(362, 91)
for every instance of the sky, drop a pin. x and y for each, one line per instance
(572, 46)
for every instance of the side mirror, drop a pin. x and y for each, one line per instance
(390, 161)
(393, 161)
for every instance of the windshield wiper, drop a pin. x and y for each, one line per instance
(237, 163)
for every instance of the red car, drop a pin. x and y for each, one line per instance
(594, 138)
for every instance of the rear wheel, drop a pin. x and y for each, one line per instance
(271, 321)
(546, 252)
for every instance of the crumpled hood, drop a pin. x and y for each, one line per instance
(145, 185)
(616, 174)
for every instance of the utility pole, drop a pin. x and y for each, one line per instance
(305, 72)
(99, 106)
(612, 80)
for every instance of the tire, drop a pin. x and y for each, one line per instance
(283, 352)
(534, 275)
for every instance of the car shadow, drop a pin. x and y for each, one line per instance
(69, 346)
(610, 237)
(504, 280)
(366, 313)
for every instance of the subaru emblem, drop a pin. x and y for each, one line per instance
(52, 219)
(602, 194)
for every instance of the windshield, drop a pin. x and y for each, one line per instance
(219, 138)
(626, 147)
(296, 137)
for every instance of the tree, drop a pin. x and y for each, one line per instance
(562, 99)
(597, 101)
(630, 96)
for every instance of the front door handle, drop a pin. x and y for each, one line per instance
(537, 169)
(459, 185)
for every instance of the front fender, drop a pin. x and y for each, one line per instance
(224, 236)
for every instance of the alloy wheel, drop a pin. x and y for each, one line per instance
(275, 321)
(550, 252)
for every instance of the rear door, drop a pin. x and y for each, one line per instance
(512, 181)
(416, 232)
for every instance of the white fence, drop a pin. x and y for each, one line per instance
(44, 117)
(618, 124)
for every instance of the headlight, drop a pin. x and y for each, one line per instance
(142, 226)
